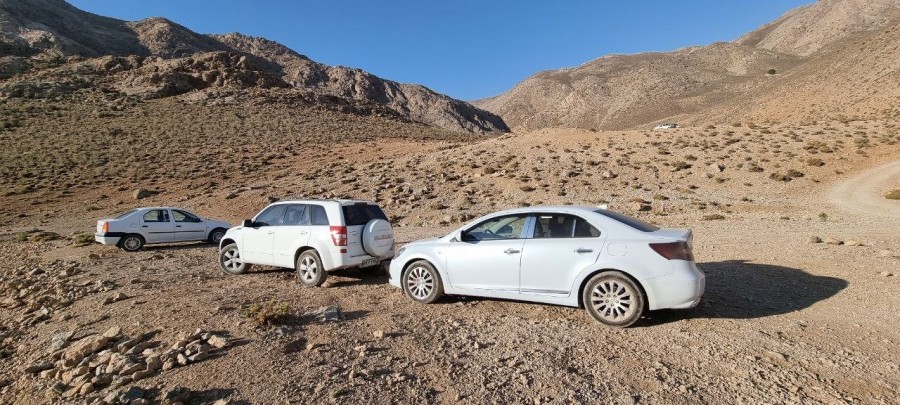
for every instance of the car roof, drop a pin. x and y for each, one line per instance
(551, 208)
(321, 200)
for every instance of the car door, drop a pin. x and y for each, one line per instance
(258, 240)
(488, 255)
(156, 226)
(291, 234)
(560, 247)
(187, 226)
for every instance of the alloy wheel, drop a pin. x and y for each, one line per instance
(419, 282)
(613, 301)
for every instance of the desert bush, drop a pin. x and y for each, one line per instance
(893, 195)
(771, 71)
(713, 217)
(83, 239)
(270, 312)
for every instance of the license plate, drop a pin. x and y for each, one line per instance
(370, 262)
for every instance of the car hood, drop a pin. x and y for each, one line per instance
(421, 242)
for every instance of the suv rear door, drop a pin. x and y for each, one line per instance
(291, 234)
(356, 216)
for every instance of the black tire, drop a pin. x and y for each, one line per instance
(613, 299)
(132, 243)
(422, 283)
(215, 236)
(230, 260)
(309, 269)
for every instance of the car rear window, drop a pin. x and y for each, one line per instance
(361, 214)
(632, 222)
(125, 214)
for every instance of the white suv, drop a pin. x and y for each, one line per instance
(312, 236)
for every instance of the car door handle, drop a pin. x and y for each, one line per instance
(270, 233)
(583, 250)
(511, 251)
(178, 226)
(145, 226)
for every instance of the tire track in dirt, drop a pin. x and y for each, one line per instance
(860, 193)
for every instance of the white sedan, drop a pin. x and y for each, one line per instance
(614, 266)
(133, 229)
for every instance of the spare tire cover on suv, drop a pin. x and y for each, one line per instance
(378, 237)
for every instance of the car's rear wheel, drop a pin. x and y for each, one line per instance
(613, 299)
(422, 283)
(132, 243)
(216, 236)
(310, 271)
(230, 260)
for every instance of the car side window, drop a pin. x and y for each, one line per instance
(295, 214)
(156, 216)
(563, 226)
(271, 216)
(500, 228)
(317, 215)
(183, 216)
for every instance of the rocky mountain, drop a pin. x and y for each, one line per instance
(43, 41)
(820, 71)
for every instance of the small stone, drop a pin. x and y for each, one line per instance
(140, 375)
(38, 367)
(815, 239)
(199, 357)
(142, 193)
(852, 242)
(119, 296)
(86, 388)
(832, 241)
(886, 274)
(775, 356)
(182, 359)
(217, 341)
(378, 334)
(113, 332)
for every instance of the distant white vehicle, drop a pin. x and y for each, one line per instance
(138, 227)
(665, 126)
(614, 266)
(312, 236)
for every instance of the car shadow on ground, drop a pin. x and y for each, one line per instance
(739, 289)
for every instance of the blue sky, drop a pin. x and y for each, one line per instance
(468, 49)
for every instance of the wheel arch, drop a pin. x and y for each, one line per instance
(127, 234)
(226, 242)
(302, 249)
(631, 277)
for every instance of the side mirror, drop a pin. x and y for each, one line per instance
(248, 223)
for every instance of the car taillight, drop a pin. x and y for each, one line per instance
(339, 235)
(105, 227)
(674, 250)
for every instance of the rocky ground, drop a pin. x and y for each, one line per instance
(800, 306)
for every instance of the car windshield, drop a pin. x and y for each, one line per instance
(361, 214)
(632, 222)
(125, 214)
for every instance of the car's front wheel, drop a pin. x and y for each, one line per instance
(613, 299)
(310, 271)
(230, 260)
(422, 283)
(132, 243)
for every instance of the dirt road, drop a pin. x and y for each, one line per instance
(862, 192)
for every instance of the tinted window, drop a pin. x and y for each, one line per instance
(505, 227)
(295, 215)
(317, 215)
(361, 214)
(271, 216)
(632, 222)
(156, 216)
(181, 216)
(563, 226)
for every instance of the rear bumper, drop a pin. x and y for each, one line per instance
(337, 261)
(107, 239)
(680, 289)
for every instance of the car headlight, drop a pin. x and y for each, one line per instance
(399, 252)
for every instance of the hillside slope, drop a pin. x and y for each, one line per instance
(827, 56)
(42, 34)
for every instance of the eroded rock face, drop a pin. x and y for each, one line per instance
(157, 58)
